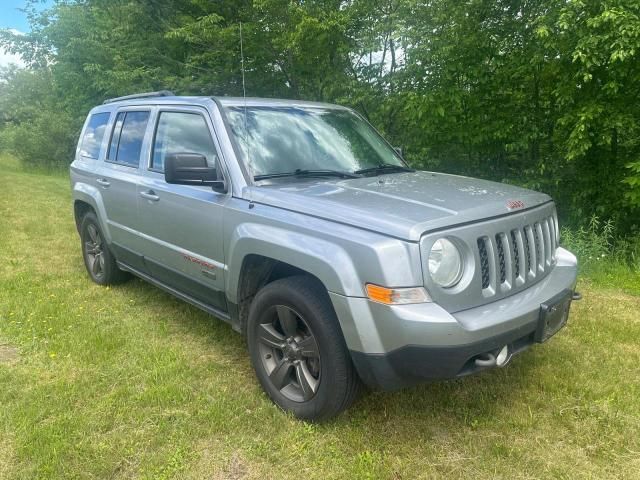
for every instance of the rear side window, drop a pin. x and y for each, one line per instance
(182, 132)
(93, 135)
(126, 140)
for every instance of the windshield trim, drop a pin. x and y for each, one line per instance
(225, 107)
(299, 173)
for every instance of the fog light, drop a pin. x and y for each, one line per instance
(503, 356)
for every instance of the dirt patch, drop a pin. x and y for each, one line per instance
(8, 354)
(7, 457)
(218, 462)
(236, 469)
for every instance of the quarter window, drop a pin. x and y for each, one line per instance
(93, 135)
(182, 132)
(126, 140)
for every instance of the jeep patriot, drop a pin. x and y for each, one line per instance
(298, 224)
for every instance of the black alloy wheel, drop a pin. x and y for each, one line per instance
(298, 351)
(289, 353)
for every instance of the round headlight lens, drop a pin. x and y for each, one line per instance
(445, 263)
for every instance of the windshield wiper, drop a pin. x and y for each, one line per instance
(384, 168)
(308, 173)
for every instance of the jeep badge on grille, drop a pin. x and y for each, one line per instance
(515, 204)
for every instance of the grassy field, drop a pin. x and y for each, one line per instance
(128, 382)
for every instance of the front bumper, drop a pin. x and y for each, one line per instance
(396, 346)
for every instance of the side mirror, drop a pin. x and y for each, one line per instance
(191, 169)
(398, 151)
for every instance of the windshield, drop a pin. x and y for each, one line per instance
(286, 139)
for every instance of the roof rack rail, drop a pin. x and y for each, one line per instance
(161, 93)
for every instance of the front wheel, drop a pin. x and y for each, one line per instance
(297, 349)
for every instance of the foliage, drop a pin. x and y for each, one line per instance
(606, 258)
(592, 243)
(40, 130)
(543, 93)
(598, 242)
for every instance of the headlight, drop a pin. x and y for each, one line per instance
(445, 263)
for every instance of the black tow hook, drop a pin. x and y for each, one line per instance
(576, 296)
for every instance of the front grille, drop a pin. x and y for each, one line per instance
(517, 257)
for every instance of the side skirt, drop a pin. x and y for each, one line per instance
(177, 293)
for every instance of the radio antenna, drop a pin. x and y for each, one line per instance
(244, 97)
(244, 91)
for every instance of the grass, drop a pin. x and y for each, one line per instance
(129, 382)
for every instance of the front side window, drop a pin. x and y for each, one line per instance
(127, 137)
(182, 132)
(285, 139)
(93, 135)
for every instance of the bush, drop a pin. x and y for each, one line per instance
(603, 258)
(42, 141)
(592, 243)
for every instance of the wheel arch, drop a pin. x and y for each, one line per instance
(87, 198)
(263, 254)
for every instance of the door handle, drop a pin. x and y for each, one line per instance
(103, 181)
(150, 195)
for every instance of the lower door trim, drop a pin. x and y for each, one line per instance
(177, 293)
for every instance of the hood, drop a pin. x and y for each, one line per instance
(402, 205)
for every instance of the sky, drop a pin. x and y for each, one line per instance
(11, 17)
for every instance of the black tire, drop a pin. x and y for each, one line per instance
(98, 259)
(305, 305)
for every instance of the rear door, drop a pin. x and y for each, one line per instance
(117, 179)
(181, 225)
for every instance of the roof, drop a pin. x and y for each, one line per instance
(163, 98)
(270, 102)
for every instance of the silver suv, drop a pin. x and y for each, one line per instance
(298, 224)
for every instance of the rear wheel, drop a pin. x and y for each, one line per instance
(98, 259)
(298, 351)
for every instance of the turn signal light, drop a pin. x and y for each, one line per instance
(397, 296)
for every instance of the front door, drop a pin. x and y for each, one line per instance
(181, 225)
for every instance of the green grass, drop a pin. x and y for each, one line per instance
(128, 382)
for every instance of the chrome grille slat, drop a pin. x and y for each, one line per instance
(519, 256)
(546, 233)
(556, 228)
(494, 261)
(506, 261)
(511, 259)
(539, 246)
(533, 254)
(552, 233)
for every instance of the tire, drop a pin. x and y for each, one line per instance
(98, 259)
(298, 351)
